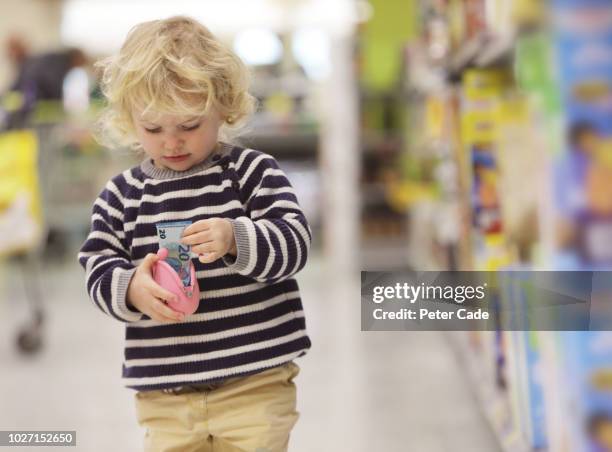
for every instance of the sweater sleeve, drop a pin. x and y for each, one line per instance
(105, 257)
(273, 238)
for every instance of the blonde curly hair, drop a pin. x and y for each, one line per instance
(172, 66)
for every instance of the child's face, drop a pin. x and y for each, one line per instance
(177, 142)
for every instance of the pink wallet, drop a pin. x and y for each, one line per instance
(165, 276)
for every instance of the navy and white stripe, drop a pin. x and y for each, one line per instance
(250, 316)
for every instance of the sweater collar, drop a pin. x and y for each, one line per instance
(149, 168)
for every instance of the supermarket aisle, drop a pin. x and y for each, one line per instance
(358, 391)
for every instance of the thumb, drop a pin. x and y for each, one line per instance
(148, 262)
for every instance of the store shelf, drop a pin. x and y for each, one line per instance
(293, 85)
(466, 54)
(298, 145)
(290, 137)
(494, 404)
(481, 51)
(384, 254)
(373, 193)
(381, 142)
(495, 50)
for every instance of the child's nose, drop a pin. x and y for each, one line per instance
(172, 143)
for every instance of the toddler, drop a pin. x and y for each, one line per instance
(222, 378)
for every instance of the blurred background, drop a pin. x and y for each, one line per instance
(419, 134)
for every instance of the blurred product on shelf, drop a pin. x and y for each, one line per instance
(583, 168)
(482, 91)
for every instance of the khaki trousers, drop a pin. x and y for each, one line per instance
(254, 413)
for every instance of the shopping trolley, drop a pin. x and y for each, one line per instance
(63, 169)
(21, 225)
(30, 146)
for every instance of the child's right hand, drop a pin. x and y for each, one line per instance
(148, 297)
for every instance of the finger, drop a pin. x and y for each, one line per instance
(200, 225)
(197, 238)
(154, 314)
(209, 247)
(159, 292)
(165, 311)
(148, 261)
(162, 319)
(207, 258)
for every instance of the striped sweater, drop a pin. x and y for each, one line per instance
(250, 316)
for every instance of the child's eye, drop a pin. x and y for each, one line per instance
(155, 130)
(188, 128)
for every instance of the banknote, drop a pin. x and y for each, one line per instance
(179, 255)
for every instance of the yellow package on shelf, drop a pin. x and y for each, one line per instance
(20, 201)
(484, 84)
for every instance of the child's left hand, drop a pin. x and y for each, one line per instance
(210, 239)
